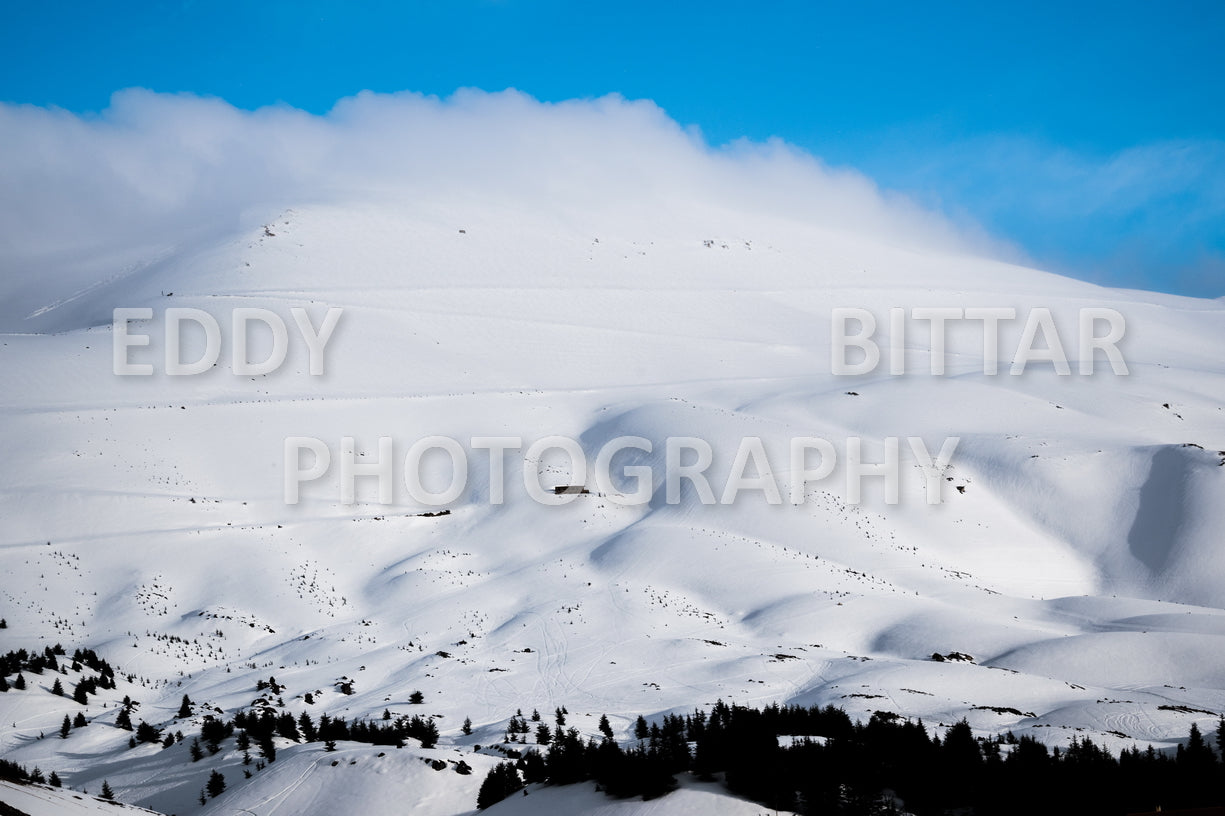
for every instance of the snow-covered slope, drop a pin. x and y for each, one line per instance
(40, 800)
(1075, 558)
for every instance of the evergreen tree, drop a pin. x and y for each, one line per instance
(36, 776)
(466, 728)
(533, 768)
(501, 781)
(65, 727)
(287, 727)
(559, 717)
(216, 784)
(57, 688)
(4, 624)
(267, 748)
(1198, 769)
(4, 684)
(429, 736)
(184, 708)
(605, 727)
(148, 733)
(641, 731)
(1197, 752)
(79, 721)
(123, 720)
(54, 780)
(416, 698)
(543, 735)
(80, 692)
(307, 727)
(19, 683)
(197, 753)
(107, 793)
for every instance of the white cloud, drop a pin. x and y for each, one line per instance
(1148, 216)
(84, 197)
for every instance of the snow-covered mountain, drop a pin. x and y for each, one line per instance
(1073, 569)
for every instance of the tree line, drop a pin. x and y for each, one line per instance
(832, 765)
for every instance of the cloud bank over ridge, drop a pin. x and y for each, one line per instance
(85, 198)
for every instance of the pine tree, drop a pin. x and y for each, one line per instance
(429, 737)
(184, 709)
(65, 728)
(1198, 760)
(54, 780)
(80, 721)
(1197, 748)
(20, 683)
(216, 784)
(107, 793)
(36, 776)
(641, 731)
(80, 693)
(267, 748)
(4, 624)
(605, 727)
(467, 727)
(416, 698)
(501, 781)
(57, 689)
(4, 684)
(560, 716)
(123, 720)
(148, 733)
(197, 753)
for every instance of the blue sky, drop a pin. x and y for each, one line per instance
(1092, 135)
